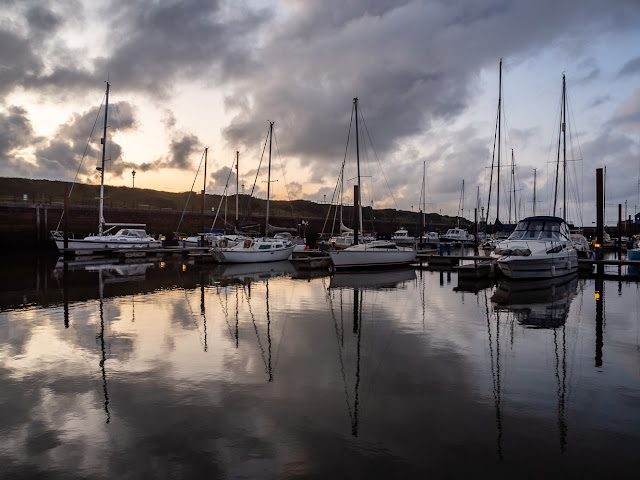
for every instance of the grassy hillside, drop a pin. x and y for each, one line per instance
(52, 192)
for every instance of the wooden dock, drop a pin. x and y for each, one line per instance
(127, 253)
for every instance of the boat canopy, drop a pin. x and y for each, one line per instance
(541, 228)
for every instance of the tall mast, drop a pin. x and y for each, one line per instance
(237, 171)
(101, 168)
(512, 181)
(564, 148)
(266, 226)
(424, 195)
(562, 135)
(341, 195)
(534, 192)
(204, 187)
(204, 190)
(355, 103)
(499, 134)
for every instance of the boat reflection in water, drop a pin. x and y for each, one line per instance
(242, 281)
(372, 279)
(246, 273)
(349, 344)
(540, 303)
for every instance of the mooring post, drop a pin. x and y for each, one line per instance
(202, 219)
(619, 231)
(599, 294)
(38, 225)
(65, 212)
(599, 217)
(45, 224)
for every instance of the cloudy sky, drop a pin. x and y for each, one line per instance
(191, 74)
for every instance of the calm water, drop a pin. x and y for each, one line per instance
(184, 371)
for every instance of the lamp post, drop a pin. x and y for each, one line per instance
(133, 180)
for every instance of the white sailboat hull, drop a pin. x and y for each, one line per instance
(97, 242)
(234, 255)
(371, 256)
(554, 265)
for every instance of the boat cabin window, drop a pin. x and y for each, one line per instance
(539, 230)
(264, 247)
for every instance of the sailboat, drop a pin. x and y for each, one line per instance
(134, 236)
(377, 253)
(541, 246)
(345, 237)
(459, 235)
(265, 249)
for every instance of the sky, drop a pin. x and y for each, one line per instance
(195, 74)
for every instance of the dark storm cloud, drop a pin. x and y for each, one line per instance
(153, 46)
(632, 67)
(42, 21)
(410, 64)
(15, 131)
(17, 61)
(182, 151)
(156, 44)
(150, 45)
(220, 178)
(16, 134)
(60, 156)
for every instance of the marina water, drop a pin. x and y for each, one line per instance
(177, 370)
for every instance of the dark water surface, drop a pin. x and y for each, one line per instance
(184, 371)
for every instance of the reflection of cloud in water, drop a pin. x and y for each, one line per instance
(424, 385)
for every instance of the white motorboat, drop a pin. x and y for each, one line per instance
(402, 237)
(131, 237)
(212, 240)
(431, 239)
(346, 240)
(299, 243)
(582, 246)
(123, 238)
(539, 247)
(457, 235)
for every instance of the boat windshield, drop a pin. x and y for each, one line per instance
(536, 229)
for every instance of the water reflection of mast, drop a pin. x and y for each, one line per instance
(237, 316)
(599, 294)
(267, 363)
(357, 329)
(65, 294)
(270, 371)
(495, 373)
(562, 386)
(103, 358)
(339, 332)
(204, 317)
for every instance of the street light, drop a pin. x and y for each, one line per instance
(133, 180)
